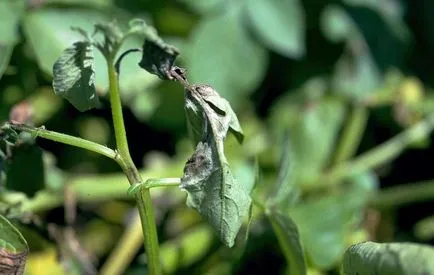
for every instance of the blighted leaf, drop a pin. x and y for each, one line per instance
(157, 56)
(74, 76)
(212, 189)
(13, 249)
(279, 24)
(389, 259)
(289, 240)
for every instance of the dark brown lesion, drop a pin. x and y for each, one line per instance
(12, 263)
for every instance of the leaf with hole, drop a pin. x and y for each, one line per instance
(388, 259)
(13, 249)
(212, 189)
(74, 76)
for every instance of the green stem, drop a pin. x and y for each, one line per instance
(125, 250)
(381, 154)
(403, 194)
(67, 139)
(164, 182)
(143, 198)
(352, 135)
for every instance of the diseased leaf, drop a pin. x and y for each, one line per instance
(389, 259)
(289, 240)
(212, 189)
(279, 24)
(74, 76)
(157, 56)
(13, 249)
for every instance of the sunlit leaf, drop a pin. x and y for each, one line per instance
(388, 259)
(13, 249)
(74, 76)
(10, 15)
(280, 24)
(289, 240)
(223, 55)
(49, 36)
(5, 55)
(324, 222)
(212, 189)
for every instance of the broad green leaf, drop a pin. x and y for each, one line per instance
(289, 240)
(356, 75)
(212, 189)
(25, 171)
(312, 130)
(5, 55)
(74, 76)
(389, 259)
(49, 36)
(157, 56)
(13, 249)
(10, 15)
(325, 222)
(222, 54)
(336, 24)
(280, 24)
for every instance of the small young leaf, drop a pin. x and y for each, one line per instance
(13, 249)
(388, 259)
(113, 36)
(74, 76)
(208, 180)
(289, 240)
(158, 57)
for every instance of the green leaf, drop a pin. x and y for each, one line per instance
(49, 36)
(13, 249)
(74, 76)
(25, 171)
(313, 128)
(157, 56)
(336, 24)
(204, 6)
(212, 189)
(325, 222)
(285, 189)
(5, 55)
(388, 259)
(289, 240)
(10, 15)
(280, 24)
(356, 75)
(222, 54)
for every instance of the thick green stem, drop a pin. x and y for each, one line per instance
(403, 194)
(67, 139)
(375, 157)
(143, 198)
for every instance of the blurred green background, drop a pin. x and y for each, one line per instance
(341, 76)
